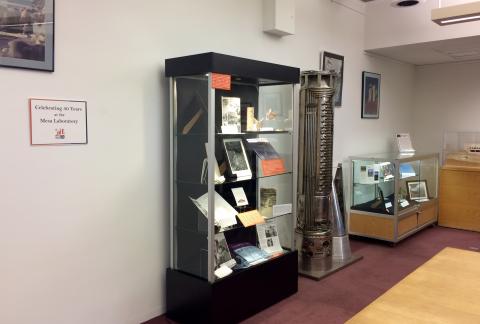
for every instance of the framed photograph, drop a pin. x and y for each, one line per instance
(370, 95)
(237, 157)
(231, 119)
(417, 190)
(27, 34)
(222, 253)
(334, 63)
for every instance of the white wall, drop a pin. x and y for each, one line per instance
(391, 26)
(446, 99)
(84, 229)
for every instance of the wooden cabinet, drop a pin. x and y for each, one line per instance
(459, 198)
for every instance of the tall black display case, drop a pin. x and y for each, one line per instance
(232, 156)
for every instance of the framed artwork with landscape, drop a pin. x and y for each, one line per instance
(370, 95)
(27, 34)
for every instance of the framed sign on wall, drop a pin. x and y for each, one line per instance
(56, 122)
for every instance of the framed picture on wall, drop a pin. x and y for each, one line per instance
(370, 95)
(27, 34)
(417, 190)
(334, 63)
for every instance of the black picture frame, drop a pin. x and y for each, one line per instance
(334, 63)
(371, 95)
(423, 188)
(27, 35)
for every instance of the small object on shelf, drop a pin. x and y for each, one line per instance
(223, 271)
(251, 121)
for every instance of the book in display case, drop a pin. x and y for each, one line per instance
(232, 250)
(393, 195)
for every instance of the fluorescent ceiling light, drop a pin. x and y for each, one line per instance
(456, 14)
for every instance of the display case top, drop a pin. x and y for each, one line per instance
(396, 156)
(226, 64)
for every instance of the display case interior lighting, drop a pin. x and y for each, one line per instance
(456, 14)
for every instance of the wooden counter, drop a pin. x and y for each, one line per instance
(445, 289)
(459, 197)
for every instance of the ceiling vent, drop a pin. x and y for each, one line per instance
(405, 3)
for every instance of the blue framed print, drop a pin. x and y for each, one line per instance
(27, 34)
(370, 95)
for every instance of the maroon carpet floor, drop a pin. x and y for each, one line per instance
(338, 297)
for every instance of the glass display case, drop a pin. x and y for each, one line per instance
(393, 195)
(232, 186)
(461, 149)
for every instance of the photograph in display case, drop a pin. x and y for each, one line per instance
(231, 118)
(237, 158)
(370, 95)
(417, 190)
(334, 63)
(26, 34)
(222, 253)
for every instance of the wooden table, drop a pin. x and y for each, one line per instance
(445, 289)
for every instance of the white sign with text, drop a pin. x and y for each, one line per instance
(58, 122)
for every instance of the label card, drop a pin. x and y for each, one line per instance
(58, 122)
(284, 209)
(240, 196)
(221, 81)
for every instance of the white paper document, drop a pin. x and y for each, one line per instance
(268, 237)
(283, 209)
(224, 213)
(404, 143)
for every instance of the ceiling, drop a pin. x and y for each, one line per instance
(442, 51)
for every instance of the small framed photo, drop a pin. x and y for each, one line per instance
(417, 190)
(27, 34)
(334, 63)
(370, 95)
(237, 157)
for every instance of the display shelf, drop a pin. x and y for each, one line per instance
(392, 210)
(216, 100)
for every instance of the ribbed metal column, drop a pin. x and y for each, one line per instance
(315, 163)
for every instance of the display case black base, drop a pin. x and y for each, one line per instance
(191, 299)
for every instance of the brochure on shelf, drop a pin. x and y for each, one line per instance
(247, 255)
(224, 213)
(251, 218)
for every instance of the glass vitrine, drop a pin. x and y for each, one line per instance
(232, 175)
(393, 195)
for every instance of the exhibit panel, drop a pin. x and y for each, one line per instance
(393, 195)
(233, 185)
